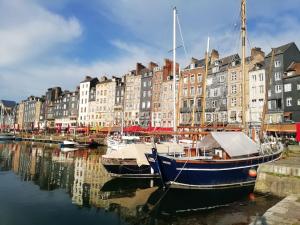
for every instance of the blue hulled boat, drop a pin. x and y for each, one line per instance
(221, 159)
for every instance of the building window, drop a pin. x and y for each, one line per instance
(278, 88)
(287, 87)
(148, 104)
(145, 83)
(185, 103)
(191, 103)
(298, 87)
(192, 91)
(215, 69)
(254, 77)
(277, 63)
(261, 77)
(298, 102)
(233, 89)
(269, 105)
(199, 77)
(192, 78)
(185, 80)
(199, 90)
(214, 103)
(199, 102)
(277, 76)
(233, 76)
(222, 78)
(185, 92)
(143, 105)
(215, 92)
(261, 89)
(289, 101)
(233, 102)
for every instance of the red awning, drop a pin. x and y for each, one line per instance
(298, 132)
(159, 129)
(133, 129)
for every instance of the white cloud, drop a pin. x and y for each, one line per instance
(28, 31)
(34, 33)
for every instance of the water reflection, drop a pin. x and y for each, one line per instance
(81, 175)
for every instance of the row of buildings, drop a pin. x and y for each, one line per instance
(145, 95)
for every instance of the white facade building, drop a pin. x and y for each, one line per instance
(132, 99)
(105, 98)
(84, 99)
(256, 93)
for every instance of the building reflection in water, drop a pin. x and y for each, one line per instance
(136, 201)
(79, 173)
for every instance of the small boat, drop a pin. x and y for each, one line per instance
(68, 144)
(128, 159)
(7, 137)
(68, 149)
(221, 159)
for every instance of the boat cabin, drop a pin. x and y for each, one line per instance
(223, 146)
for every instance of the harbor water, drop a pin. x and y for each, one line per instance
(40, 184)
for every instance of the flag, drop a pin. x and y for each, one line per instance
(298, 132)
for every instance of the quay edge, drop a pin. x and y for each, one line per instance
(281, 178)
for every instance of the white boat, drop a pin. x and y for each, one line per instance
(7, 137)
(67, 149)
(68, 144)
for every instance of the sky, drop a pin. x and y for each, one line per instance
(57, 43)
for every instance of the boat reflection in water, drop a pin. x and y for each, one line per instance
(185, 200)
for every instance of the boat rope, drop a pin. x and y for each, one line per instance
(185, 52)
(166, 191)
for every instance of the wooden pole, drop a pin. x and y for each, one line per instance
(243, 34)
(204, 86)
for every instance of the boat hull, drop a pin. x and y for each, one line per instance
(127, 168)
(7, 137)
(208, 174)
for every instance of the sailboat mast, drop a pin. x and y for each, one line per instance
(243, 34)
(174, 69)
(204, 86)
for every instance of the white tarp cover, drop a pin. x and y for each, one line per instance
(137, 151)
(234, 143)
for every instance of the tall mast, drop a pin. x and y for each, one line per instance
(174, 69)
(204, 86)
(243, 34)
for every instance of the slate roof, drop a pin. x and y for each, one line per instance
(8, 104)
(197, 62)
(281, 49)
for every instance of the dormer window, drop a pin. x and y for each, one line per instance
(290, 73)
(192, 66)
(215, 69)
(277, 63)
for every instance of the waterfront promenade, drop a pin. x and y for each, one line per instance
(282, 177)
(285, 212)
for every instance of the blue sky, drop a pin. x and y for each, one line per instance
(58, 42)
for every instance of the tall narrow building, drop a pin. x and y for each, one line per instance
(87, 86)
(277, 62)
(291, 94)
(191, 92)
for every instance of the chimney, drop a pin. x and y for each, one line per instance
(257, 52)
(139, 67)
(214, 55)
(193, 60)
(152, 65)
